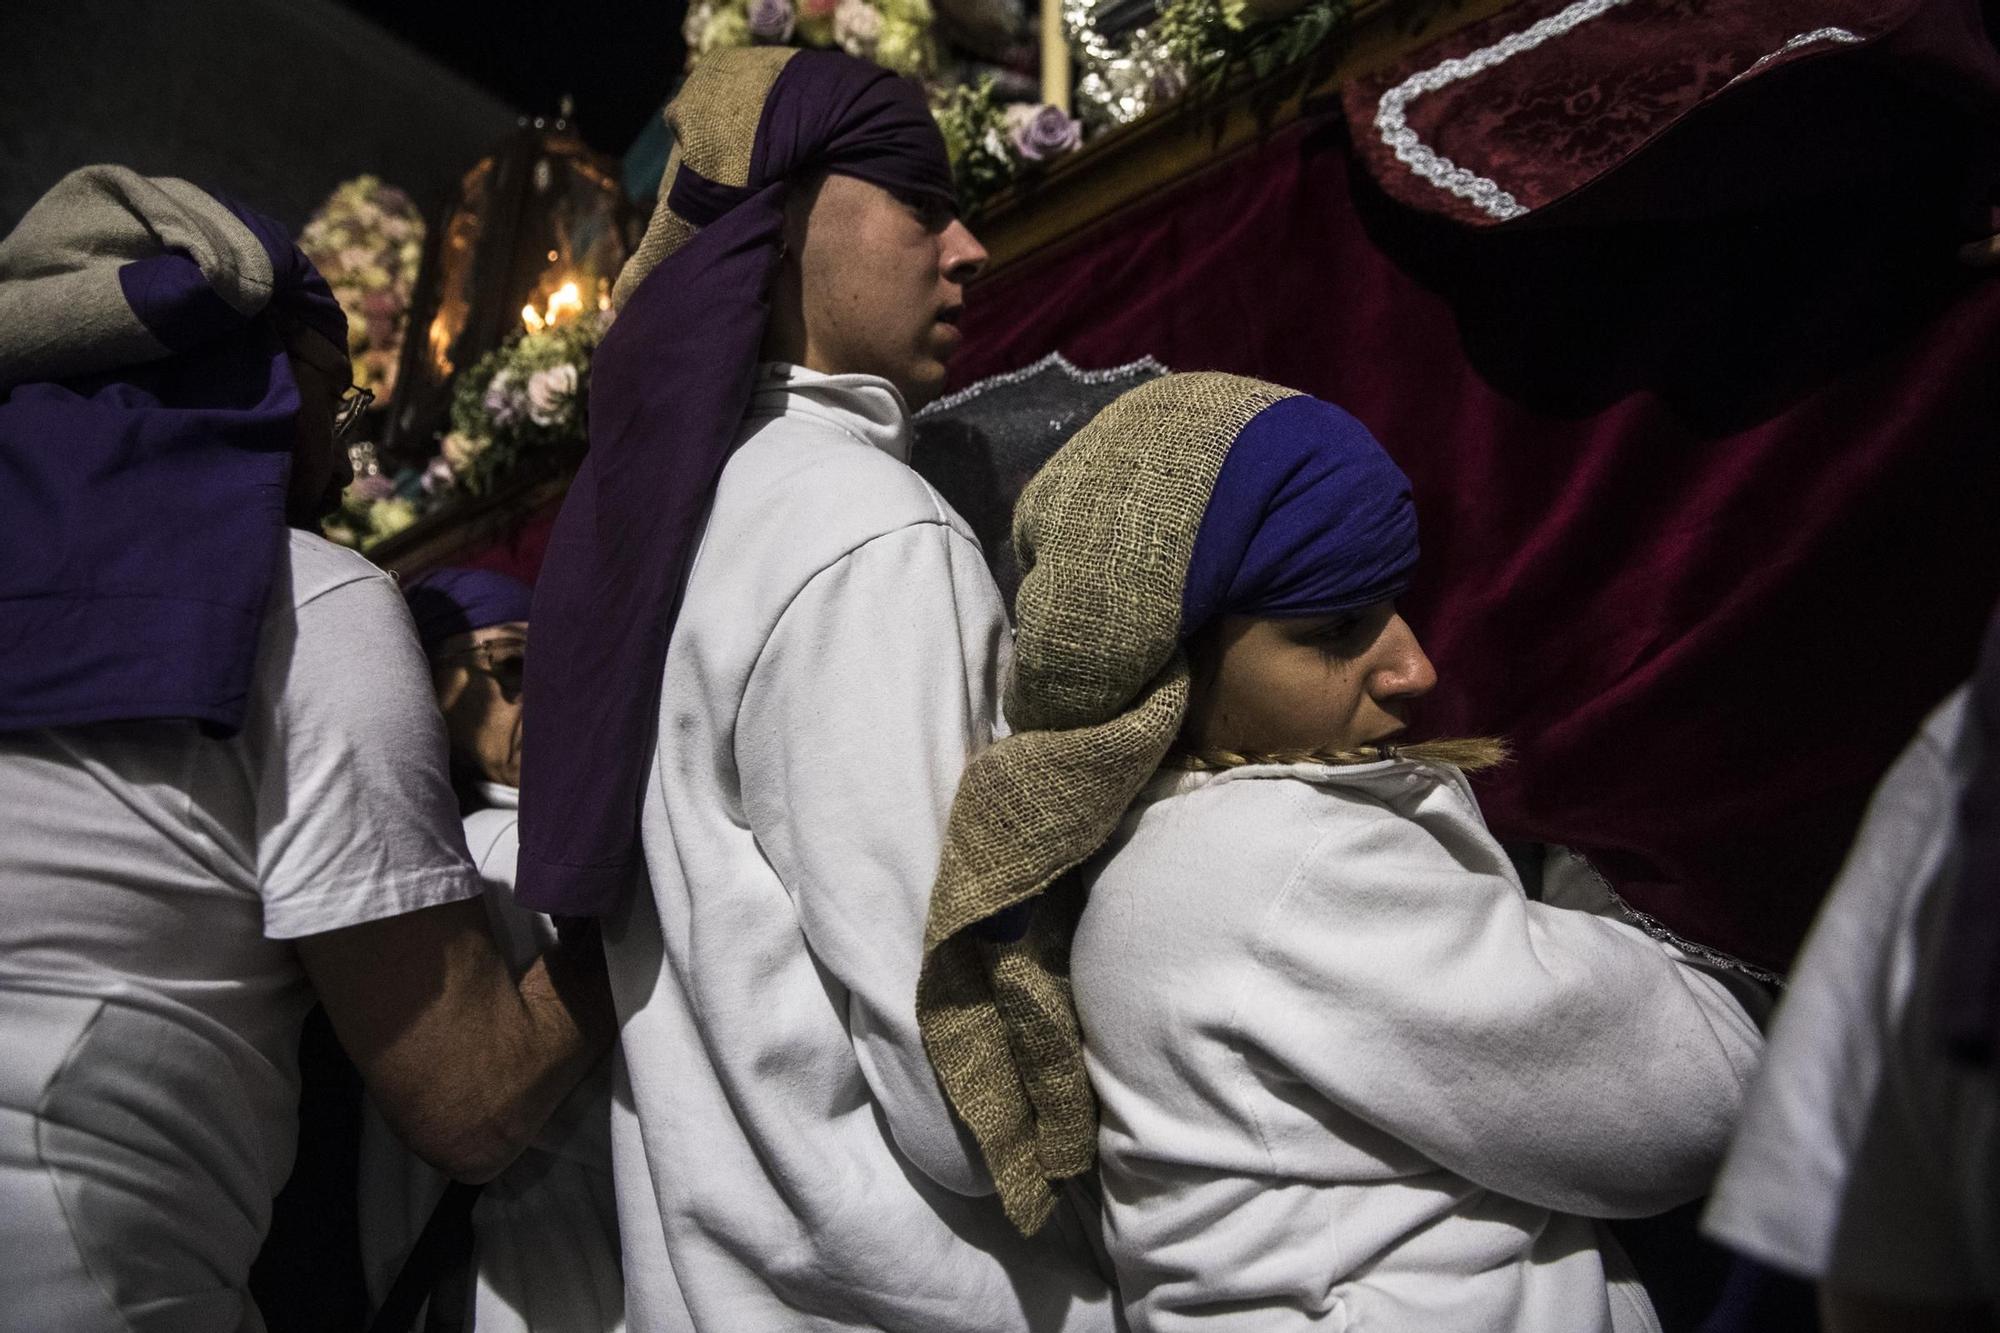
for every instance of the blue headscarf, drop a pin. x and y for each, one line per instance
(146, 438)
(1309, 517)
(453, 601)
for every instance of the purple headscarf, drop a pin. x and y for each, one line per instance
(669, 386)
(146, 440)
(445, 602)
(1309, 517)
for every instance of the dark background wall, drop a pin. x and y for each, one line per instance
(272, 101)
(277, 101)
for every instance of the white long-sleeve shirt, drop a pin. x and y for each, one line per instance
(1353, 1078)
(786, 1159)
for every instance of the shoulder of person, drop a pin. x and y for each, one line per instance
(1949, 734)
(1251, 825)
(319, 566)
(810, 471)
(1342, 821)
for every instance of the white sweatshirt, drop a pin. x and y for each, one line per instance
(784, 1150)
(1353, 1078)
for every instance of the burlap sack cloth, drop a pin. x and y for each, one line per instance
(1103, 534)
(714, 120)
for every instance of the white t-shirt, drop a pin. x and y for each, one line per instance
(1866, 1156)
(152, 880)
(786, 1159)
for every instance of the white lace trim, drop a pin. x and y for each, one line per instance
(1143, 365)
(1804, 39)
(1391, 113)
(1393, 125)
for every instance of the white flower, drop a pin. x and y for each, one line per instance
(856, 26)
(695, 24)
(549, 392)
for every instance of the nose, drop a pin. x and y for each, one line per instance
(960, 254)
(1406, 671)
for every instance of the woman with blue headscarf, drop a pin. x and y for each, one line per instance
(1352, 1073)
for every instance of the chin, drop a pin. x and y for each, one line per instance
(923, 385)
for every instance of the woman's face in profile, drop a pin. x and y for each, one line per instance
(1321, 683)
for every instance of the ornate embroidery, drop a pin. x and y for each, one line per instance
(1145, 367)
(1427, 164)
(1393, 125)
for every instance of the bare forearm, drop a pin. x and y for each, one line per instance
(464, 1060)
(493, 1092)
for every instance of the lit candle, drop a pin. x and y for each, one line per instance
(1055, 56)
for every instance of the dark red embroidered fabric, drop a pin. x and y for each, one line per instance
(1700, 104)
(1708, 509)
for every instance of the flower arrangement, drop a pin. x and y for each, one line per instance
(527, 398)
(992, 143)
(367, 240)
(895, 34)
(517, 410)
(1209, 38)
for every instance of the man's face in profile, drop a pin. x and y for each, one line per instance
(478, 678)
(320, 470)
(883, 284)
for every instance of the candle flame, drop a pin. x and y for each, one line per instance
(565, 302)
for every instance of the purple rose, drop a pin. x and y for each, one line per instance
(1040, 133)
(772, 20)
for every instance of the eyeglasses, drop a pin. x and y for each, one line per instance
(505, 660)
(352, 404)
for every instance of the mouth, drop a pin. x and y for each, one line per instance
(1391, 733)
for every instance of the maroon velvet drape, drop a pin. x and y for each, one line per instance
(517, 551)
(1709, 510)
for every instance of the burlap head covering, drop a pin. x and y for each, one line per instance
(1103, 534)
(714, 120)
(148, 416)
(668, 388)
